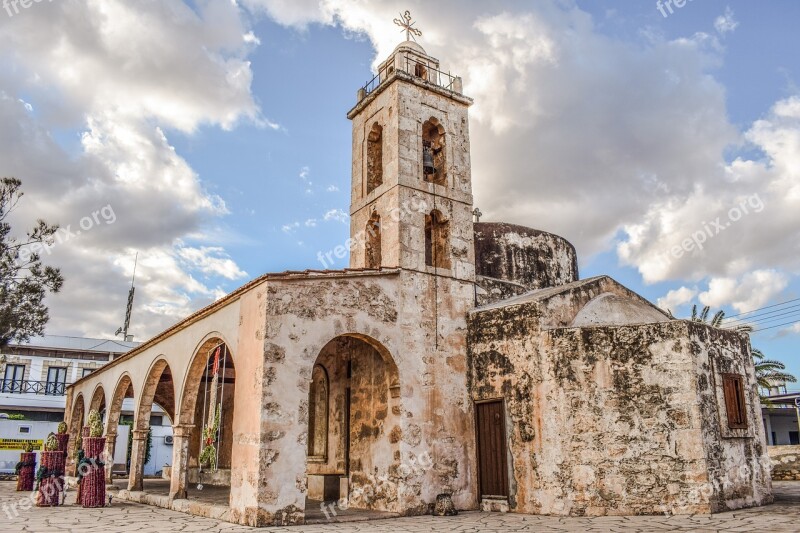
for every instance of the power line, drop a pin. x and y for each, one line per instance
(778, 326)
(781, 316)
(762, 308)
(746, 319)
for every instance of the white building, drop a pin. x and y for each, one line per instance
(33, 380)
(781, 418)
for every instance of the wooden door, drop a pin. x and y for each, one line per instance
(492, 458)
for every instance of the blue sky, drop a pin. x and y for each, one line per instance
(218, 135)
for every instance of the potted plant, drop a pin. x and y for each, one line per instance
(91, 471)
(62, 437)
(50, 477)
(26, 468)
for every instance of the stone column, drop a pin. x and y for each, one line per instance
(179, 479)
(111, 442)
(136, 481)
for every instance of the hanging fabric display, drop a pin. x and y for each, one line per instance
(209, 454)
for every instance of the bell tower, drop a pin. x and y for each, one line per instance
(411, 196)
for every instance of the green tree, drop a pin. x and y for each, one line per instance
(24, 280)
(770, 372)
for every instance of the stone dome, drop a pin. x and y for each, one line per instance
(531, 258)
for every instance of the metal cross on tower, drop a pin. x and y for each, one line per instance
(477, 214)
(407, 26)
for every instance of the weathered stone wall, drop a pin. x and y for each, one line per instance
(602, 420)
(737, 459)
(405, 449)
(491, 290)
(785, 462)
(532, 258)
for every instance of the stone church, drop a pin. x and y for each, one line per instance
(453, 356)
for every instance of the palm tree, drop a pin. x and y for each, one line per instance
(770, 372)
(716, 319)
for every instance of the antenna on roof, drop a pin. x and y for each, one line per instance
(124, 329)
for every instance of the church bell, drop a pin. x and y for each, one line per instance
(427, 161)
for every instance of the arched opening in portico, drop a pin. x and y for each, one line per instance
(204, 435)
(354, 427)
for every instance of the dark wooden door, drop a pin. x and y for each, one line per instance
(492, 458)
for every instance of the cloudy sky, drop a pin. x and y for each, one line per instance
(211, 138)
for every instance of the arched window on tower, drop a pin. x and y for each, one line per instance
(372, 256)
(374, 158)
(318, 415)
(437, 237)
(434, 165)
(420, 70)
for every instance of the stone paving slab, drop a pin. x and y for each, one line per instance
(782, 516)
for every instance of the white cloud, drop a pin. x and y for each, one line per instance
(304, 173)
(337, 215)
(311, 223)
(725, 23)
(333, 188)
(121, 75)
(677, 298)
(290, 228)
(211, 260)
(751, 291)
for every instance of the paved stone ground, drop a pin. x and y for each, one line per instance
(783, 516)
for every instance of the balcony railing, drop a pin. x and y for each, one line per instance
(24, 386)
(408, 64)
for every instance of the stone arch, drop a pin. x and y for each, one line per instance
(196, 407)
(364, 424)
(123, 389)
(98, 400)
(190, 387)
(372, 253)
(318, 411)
(374, 157)
(433, 150)
(158, 388)
(76, 420)
(437, 240)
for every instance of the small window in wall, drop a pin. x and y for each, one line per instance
(373, 242)
(25, 429)
(318, 415)
(433, 152)
(794, 437)
(733, 389)
(374, 158)
(156, 420)
(437, 237)
(420, 71)
(86, 371)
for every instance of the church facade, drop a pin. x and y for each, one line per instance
(451, 357)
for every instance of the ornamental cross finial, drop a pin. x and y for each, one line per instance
(407, 26)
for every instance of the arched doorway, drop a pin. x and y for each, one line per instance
(354, 426)
(117, 462)
(98, 402)
(76, 421)
(206, 418)
(158, 391)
